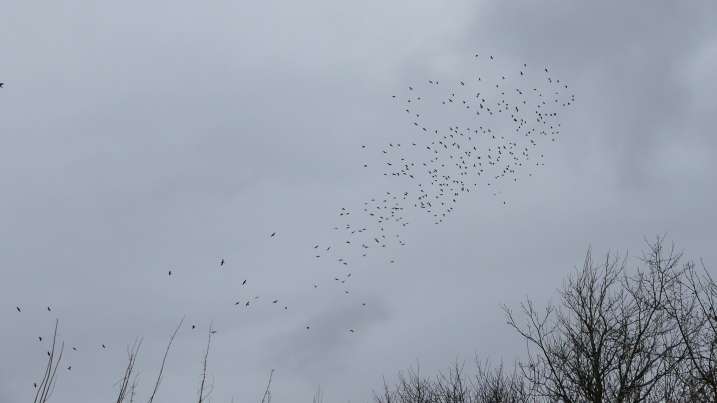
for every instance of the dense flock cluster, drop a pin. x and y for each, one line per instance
(477, 134)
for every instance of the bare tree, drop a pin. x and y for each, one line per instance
(610, 339)
(319, 395)
(49, 379)
(498, 386)
(693, 305)
(489, 386)
(125, 385)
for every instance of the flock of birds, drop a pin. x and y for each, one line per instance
(475, 135)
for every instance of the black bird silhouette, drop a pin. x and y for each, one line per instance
(70, 367)
(103, 346)
(275, 301)
(35, 385)
(40, 338)
(170, 272)
(243, 282)
(48, 308)
(1, 84)
(214, 331)
(18, 309)
(74, 348)
(272, 234)
(222, 263)
(247, 303)
(48, 353)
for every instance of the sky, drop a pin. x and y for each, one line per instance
(142, 138)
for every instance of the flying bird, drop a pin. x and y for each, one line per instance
(18, 309)
(222, 263)
(272, 234)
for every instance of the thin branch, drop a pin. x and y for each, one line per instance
(159, 378)
(267, 393)
(47, 385)
(202, 388)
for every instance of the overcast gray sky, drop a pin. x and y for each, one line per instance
(143, 137)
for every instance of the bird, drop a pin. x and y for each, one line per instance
(40, 338)
(307, 327)
(275, 301)
(48, 353)
(35, 383)
(1, 84)
(193, 326)
(170, 272)
(103, 346)
(74, 348)
(352, 331)
(214, 331)
(272, 234)
(48, 309)
(70, 367)
(243, 282)
(18, 309)
(247, 303)
(222, 263)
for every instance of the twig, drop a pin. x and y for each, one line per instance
(267, 393)
(202, 388)
(159, 378)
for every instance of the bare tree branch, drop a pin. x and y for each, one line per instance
(161, 369)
